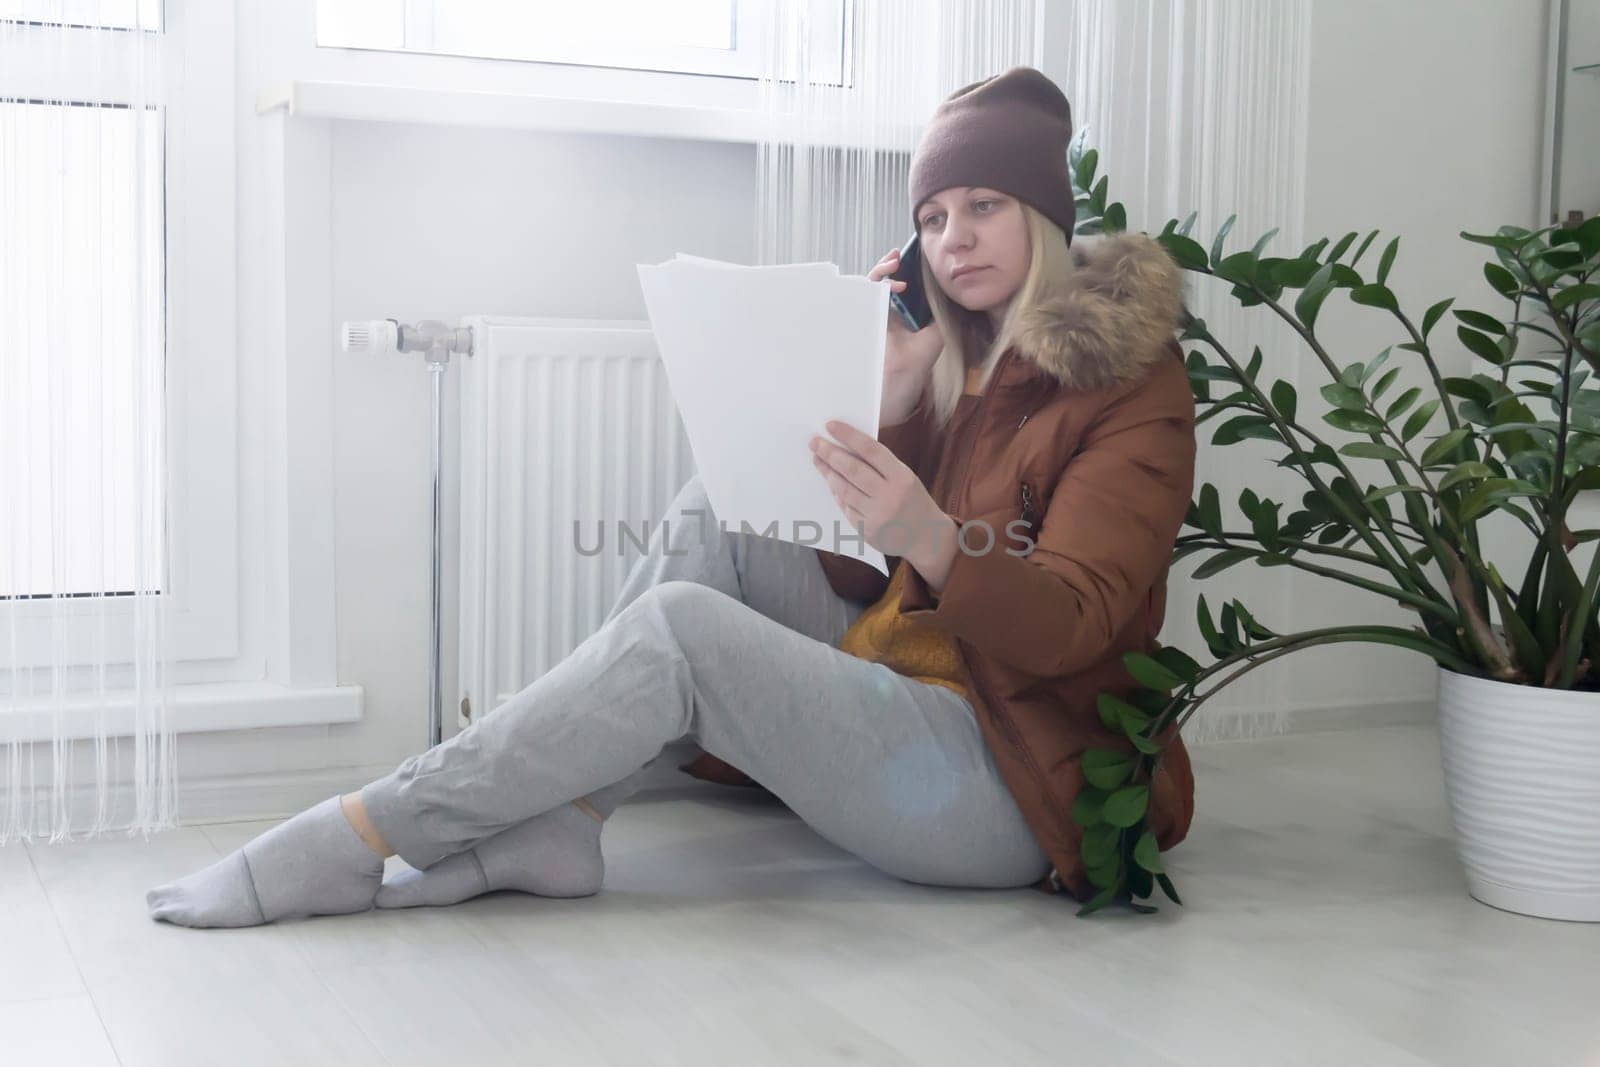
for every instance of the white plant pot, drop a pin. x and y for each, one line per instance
(1522, 776)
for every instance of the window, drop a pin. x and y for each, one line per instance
(117, 227)
(717, 37)
(78, 223)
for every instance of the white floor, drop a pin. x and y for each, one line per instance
(1326, 922)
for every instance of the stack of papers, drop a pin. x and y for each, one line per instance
(759, 359)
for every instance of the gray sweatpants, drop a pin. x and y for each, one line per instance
(727, 638)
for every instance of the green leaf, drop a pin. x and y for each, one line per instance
(1344, 397)
(1371, 450)
(1432, 315)
(1253, 368)
(1168, 888)
(1418, 420)
(1573, 294)
(1372, 368)
(1293, 273)
(1134, 721)
(1208, 629)
(1480, 321)
(1150, 672)
(1402, 403)
(1147, 855)
(1210, 510)
(1386, 262)
(1354, 421)
(1262, 242)
(1108, 875)
(1088, 805)
(1365, 241)
(1115, 219)
(1264, 524)
(1086, 165)
(1099, 844)
(1481, 344)
(1252, 627)
(1284, 399)
(1485, 497)
(1463, 471)
(1390, 490)
(1100, 900)
(1504, 242)
(1377, 296)
(1239, 268)
(1443, 445)
(1242, 426)
(1468, 389)
(1143, 743)
(1185, 251)
(1185, 666)
(1127, 805)
(1311, 297)
(1107, 769)
(1216, 246)
(1221, 561)
(1502, 280)
(1110, 706)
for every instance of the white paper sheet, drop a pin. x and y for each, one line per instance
(759, 359)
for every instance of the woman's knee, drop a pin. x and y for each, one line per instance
(684, 609)
(692, 497)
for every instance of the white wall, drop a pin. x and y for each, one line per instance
(1424, 122)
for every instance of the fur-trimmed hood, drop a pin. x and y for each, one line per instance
(1115, 316)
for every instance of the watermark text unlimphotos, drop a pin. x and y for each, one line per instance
(898, 537)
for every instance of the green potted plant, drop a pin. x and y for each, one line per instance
(1516, 652)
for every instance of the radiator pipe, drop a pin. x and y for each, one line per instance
(438, 340)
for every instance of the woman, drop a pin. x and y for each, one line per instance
(1038, 445)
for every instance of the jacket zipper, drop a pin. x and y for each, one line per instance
(1007, 727)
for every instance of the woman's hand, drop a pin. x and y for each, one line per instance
(908, 357)
(875, 489)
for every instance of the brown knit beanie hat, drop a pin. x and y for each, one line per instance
(1008, 132)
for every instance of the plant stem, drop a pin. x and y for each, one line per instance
(1418, 579)
(1421, 603)
(1283, 646)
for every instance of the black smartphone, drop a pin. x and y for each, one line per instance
(912, 301)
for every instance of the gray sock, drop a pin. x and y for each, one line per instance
(313, 864)
(554, 854)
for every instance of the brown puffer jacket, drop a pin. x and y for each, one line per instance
(1086, 434)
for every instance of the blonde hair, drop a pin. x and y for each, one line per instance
(967, 334)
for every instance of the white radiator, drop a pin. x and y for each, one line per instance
(562, 421)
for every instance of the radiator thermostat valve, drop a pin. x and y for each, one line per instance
(391, 335)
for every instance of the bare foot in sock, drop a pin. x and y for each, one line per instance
(313, 864)
(555, 854)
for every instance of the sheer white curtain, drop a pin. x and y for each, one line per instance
(1203, 107)
(832, 170)
(85, 743)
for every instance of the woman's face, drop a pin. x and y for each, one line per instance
(975, 227)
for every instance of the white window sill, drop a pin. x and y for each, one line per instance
(522, 111)
(194, 709)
